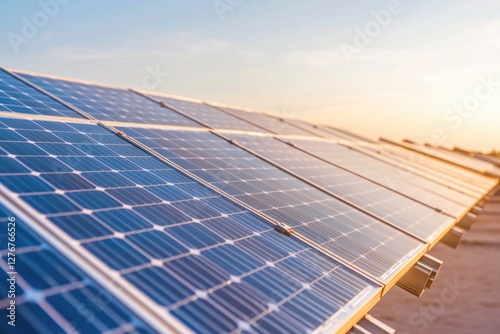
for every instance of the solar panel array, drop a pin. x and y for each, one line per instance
(272, 227)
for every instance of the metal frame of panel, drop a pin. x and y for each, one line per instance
(415, 171)
(456, 183)
(436, 155)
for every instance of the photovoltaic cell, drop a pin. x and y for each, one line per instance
(411, 216)
(463, 176)
(270, 123)
(110, 104)
(385, 174)
(18, 97)
(443, 176)
(194, 253)
(52, 294)
(213, 117)
(355, 237)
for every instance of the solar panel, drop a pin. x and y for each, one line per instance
(273, 124)
(389, 176)
(201, 257)
(403, 212)
(51, 294)
(18, 97)
(419, 166)
(212, 117)
(325, 220)
(450, 158)
(108, 103)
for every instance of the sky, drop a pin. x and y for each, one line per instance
(425, 70)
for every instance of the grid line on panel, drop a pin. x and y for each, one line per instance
(269, 122)
(80, 177)
(337, 165)
(202, 113)
(423, 181)
(343, 156)
(103, 103)
(438, 156)
(281, 196)
(254, 150)
(460, 179)
(429, 175)
(453, 197)
(18, 96)
(406, 215)
(53, 294)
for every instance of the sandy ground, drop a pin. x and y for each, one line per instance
(466, 295)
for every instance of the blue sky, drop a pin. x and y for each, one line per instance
(423, 62)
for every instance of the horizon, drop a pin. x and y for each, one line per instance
(349, 68)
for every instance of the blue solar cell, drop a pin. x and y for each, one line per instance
(161, 286)
(8, 135)
(198, 271)
(93, 200)
(110, 315)
(157, 244)
(233, 259)
(107, 179)
(21, 148)
(40, 271)
(123, 220)
(197, 209)
(67, 181)
(25, 184)
(133, 196)
(40, 136)
(228, 227)
(162, 214)
(169, 193)
(41, 164)
(129, 256)
(52, 294)
(106, 103)
(50, 203)
(201, 316)
(273, 283)
(81, 226)
(195, 235)
(16, 96)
